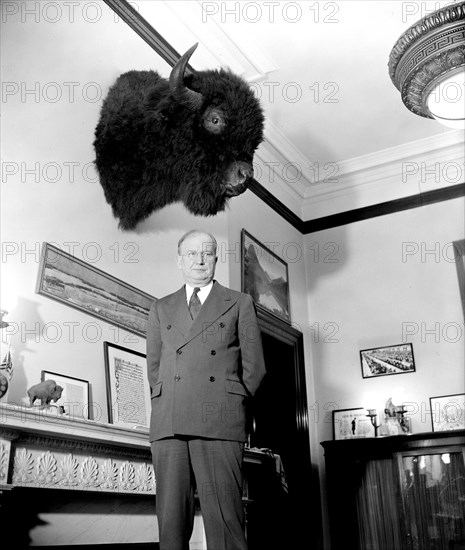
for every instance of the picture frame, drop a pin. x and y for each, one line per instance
(75, 398)
(447, 412)
(352, 424)
(459, 253)
(71, 281)
(264, 277)
(387, 360)
(128, 389)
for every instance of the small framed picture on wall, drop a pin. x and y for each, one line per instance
(387, 360)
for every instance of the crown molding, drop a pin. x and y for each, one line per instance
(381, 162)
(269, 168)
(386, 175)
(405, 170)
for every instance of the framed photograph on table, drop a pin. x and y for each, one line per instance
(75, 396)
(387, 360)
(448, 412)
(128, 389)
(265, 277)
(352, 424)
(82, 286)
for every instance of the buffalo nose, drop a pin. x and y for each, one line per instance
(244, 171)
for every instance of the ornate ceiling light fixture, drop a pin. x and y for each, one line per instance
(427, 66)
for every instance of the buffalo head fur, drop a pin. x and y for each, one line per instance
(190, 139)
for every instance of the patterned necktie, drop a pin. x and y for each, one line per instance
(194, 303)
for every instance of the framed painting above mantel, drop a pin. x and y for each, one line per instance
(265, 277)
(80, 285)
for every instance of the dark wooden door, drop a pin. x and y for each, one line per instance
(289, 518)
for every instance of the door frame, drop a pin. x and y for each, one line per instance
(272, 326)
(310, 486)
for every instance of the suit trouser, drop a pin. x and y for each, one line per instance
(215, 467)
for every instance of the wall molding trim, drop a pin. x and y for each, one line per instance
(384, 208)
(357, 214)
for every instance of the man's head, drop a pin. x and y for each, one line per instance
(197, 257)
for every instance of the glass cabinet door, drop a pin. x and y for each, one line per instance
(433, 498)
(379, 526)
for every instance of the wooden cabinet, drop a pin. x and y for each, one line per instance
(404, 492)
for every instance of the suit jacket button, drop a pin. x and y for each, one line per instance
(168, 327)
(177, 378)
(212, 378)
(213, 352)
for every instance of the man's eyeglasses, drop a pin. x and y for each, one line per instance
(205, 256)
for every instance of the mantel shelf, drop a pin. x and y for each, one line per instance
(41, 449)
(41, 422)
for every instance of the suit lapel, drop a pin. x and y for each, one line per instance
(178, 312)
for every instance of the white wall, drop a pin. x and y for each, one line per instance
(378, 282)
(393, 280)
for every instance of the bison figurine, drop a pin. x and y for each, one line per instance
(46, 391)
(190, 139)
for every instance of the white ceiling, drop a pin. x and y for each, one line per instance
(333, 116)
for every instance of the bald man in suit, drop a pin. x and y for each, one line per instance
(205, 361)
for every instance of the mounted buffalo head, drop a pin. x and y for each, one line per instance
(190, 139)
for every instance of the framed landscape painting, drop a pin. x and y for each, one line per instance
(265, 277)
(82, 286)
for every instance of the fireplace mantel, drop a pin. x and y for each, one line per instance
(49, 461)
(39, 448)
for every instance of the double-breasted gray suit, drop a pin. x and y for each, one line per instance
(201, 375)
(202, 372)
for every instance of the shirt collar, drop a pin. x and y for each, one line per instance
(202, 293)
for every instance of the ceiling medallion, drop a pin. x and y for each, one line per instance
(427, 66)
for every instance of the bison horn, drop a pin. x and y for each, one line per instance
(183, 95)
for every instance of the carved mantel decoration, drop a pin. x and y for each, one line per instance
(428, 55)
(48, 451)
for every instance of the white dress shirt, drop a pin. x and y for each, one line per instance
(202, 293)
